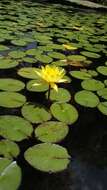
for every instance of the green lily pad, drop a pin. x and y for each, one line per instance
(48, 157)
(43, 58)
(17, 54)
(76, 58)
(102, 70)
(28, 72)
(57, 55)
(10, 84)
(11, 99)
(10, 174)
(64, 112)
(86, 98)
(102, 107)
(52, 131)
(3, 48)
(92, 84)
(105, 82)
(62, 95)
(33, 52)
(80, 75)
(9, 149)
(19, 42)
(37, 86)
(93, 73)
(7, 63)
(29, 60)
(102, 93)
(15, 128)
(35, 113)
(90, 54)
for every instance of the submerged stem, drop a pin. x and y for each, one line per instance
(49, 92)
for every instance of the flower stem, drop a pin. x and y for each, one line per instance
(49, 90)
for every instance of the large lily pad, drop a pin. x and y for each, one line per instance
(14, 128)
(35, 113)
(52, 131)
(92, 84)
(28, 73)
(48, 157)
(10, 84)
(102, 107)
(86, 98)
(9, 149)
(80, 75)
(102, 70)
(11, 99)
(64, 112)
(62, 95)
(10, 175)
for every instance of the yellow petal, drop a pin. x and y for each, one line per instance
(54, 86)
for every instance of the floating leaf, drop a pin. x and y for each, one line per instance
(7, 63)
(90, 54)
(102, 93)
(10, 174)
(92, 84)
(35, 113)
(64, 112)
(102, 70)
(8, 149)
(57, 55)
(19, 42)
(52, 131)
(62, 95)
(3, 48)
(86, 98)
(29, 60)
(102, 107)
(37, 86)
(80, 75)
(76, 58)
(14, 128)
(48, 157)
(11, 99)
(16, 54)
(105, 82)
(28, 73)
(10, 84)
(43, 58)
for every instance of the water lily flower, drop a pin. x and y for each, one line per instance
(51, 75)
(69, 47)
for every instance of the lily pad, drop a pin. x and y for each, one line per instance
(76, 58)
(86, 98)
(105, 82)
(7, 63)
(80, 75)
(43, 58)
(92, 84)
(11, 99)
(57, 55)
(10, 84)
(15, 128)
(10, 174)
(35, 113)
(102, 107)
(102, 70)
(52, 131)
(48, 157)
(28, 73)
(9, 149)
(3, 48)
(64, 112)
(62, 95)
(17, 54)
(37, 86)
(102, 93)
(90, 54)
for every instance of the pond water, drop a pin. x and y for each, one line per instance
(69, 124)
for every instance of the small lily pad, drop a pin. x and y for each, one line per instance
(102, 70)
(80, 75)
(76, 58)
(35, 113)
(92, 84)
(15, 128)
(11, 99)
(37, 86)
(102, 107)
(17, 54)
(10, 174)
(9, 149)
(43, 58)
(86, 98)
(10, 84)
(90, 54)
(7, 63)
(51, 131)
(62, 95)
(57, 55)
(48, 157)
(102, 93)
(3, 48)
(64, 112)
(105, 82)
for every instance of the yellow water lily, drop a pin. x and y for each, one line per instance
(69, 47)
(51, 75)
